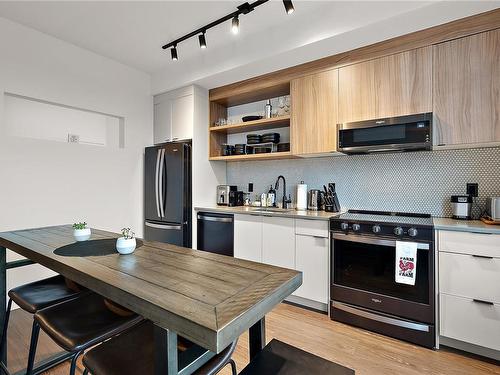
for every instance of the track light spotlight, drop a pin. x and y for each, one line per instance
(203, 41)
(173, 53)
(235, 25)
(288, 6)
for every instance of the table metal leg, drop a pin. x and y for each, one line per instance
(166, 362)
(257, 337)
(3, 297)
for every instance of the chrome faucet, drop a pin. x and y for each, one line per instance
(276, 187)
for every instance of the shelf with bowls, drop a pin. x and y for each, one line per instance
(266, 156)
(230, 105)
(251, 126)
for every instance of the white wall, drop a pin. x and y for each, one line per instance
(48, 183)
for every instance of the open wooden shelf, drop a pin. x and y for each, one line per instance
(256, 125)
(268, 156)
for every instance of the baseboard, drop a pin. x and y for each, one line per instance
(471, 348)
(308, 304)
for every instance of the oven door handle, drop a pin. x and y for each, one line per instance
(382, 318)
(373, 241)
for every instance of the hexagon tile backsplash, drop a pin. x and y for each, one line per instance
(409, 182)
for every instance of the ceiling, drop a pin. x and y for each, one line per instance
(133, 32)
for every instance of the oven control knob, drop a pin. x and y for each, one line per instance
(398, 231)
(376, 229)
(412, 232)
(344, 226)
(356, 227)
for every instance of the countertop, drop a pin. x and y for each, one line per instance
(292, 213)
(476, 226)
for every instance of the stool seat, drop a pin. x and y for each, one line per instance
(82, 322)
(132, 353)
(40, 294)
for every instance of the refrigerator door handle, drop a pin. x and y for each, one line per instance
(162, 163)
(156, 182)
(163, 226)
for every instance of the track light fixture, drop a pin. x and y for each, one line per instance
(288, 6)
(235, 25)
(203, 41)
(244, 8)
(173, 53)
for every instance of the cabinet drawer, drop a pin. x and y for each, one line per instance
(318, 228)
(470, 276)
(465, 320)
(470, 243)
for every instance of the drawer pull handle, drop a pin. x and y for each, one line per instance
(483, 302)
(482, 256)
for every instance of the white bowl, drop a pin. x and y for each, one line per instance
(82, 234)
(125, 246)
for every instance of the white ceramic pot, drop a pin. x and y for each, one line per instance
(125, 246)
(82, 234)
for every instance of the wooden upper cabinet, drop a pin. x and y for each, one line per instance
(467, 90)
(394, 85)
(314, 103)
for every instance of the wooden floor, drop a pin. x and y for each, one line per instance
(365, 352)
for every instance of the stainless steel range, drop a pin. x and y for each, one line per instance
(364, 291)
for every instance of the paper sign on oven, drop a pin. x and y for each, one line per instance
(406, 262)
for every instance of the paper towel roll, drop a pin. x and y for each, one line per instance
(301, 196)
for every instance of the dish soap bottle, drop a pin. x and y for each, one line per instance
(271, 197)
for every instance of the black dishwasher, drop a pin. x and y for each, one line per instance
(215, 233)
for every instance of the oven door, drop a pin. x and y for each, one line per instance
(363, 274)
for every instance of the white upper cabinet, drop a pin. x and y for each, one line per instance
(174, 115)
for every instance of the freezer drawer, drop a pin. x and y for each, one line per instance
(168, 233)
(216, 233)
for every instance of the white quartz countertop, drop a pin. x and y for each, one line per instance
(476, 226)
(292, 213)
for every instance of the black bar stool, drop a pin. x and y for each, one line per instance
(132, 353)
(38, 295)
(78, 324)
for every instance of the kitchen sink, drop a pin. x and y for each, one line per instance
(271, 209)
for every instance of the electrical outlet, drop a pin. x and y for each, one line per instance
(73, 138)
(473, 189)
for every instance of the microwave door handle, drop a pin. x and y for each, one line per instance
(373, 241)
(162, 185)
(157, 173)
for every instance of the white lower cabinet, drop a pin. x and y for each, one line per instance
(469, 297)
(297, 244)
(312, 257)
(248, 237)
(278, 241)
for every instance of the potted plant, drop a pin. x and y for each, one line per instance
(81, 232)
(126, 244)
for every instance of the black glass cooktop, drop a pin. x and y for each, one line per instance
(386, 217)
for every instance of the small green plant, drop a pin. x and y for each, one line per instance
(80, 225)
(127, 233)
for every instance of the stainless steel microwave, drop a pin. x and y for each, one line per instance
(395, 134)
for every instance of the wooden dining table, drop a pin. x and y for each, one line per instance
(206, 298)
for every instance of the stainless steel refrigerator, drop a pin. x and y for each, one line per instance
(167, 193)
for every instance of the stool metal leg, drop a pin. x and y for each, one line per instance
(233, 367)
(3, 353)
(35, 331)
(72, 368)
